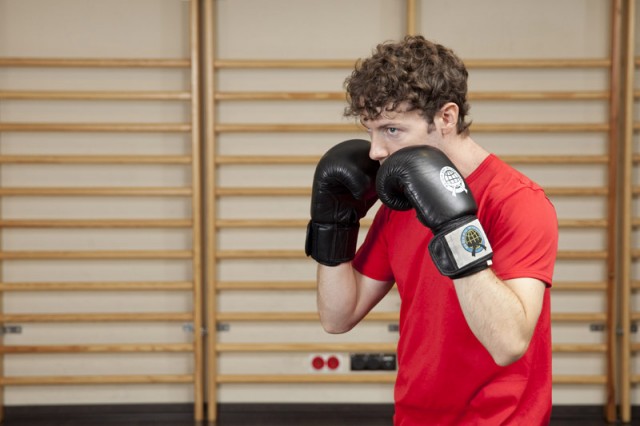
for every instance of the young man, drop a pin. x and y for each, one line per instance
(470, 242)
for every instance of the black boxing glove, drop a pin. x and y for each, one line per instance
(423, 178)
(342, 193)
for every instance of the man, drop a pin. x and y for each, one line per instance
(470, 242)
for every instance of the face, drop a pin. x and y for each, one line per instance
(398, 129)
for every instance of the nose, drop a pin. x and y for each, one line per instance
(378, 150)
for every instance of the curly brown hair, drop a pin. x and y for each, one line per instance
(427, 75)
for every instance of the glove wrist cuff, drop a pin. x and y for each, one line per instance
(462, 249)
(331, 244)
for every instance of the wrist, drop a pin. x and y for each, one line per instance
(461, 248)
(331, 244)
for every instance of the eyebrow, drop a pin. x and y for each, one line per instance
(383, 123)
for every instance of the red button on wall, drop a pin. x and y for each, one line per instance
(317, 363)
(333, 362)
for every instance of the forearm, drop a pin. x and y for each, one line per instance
(336, 297)
(345, 296)
(496, 315)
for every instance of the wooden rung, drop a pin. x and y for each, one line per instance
(267, 316)
(279, 96)
(97, 127)
(576, 191)
(469, 63)
(379, 316)
(98, 348)
(114, 191)
(635, 285)
(265, 223)
(369, 347)
(94, 63)
(478, 127)
(473, 96)
(578, 348)
(579, 317)
(97, 317)
(94, 95)
(266, 159)
(366, 378)
(311, 285)
(96, 223)
(564, 379)
(299, 254)
(94, 380)
(370, 378)
(260, 254)
(98, 286)
(298, 191)
(306, 378)
(95, 159)
(635, 347)
(541, 128)
(287, 128)
(635, 316)
(294, 316)
(265, 285)
(582, 223)
(282, 64)
(579, 286)
(302, 223)
(581, 255)
(262, 192)
(538, 63)
(555, 159)
(313, 159)
(539, 96)
(306, 347)
(96, 254)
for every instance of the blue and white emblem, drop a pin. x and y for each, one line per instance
(472, 240)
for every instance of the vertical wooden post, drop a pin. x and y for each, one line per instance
(1, 311)
(612, 210)
(210, 153)
(198, 375)
(626, 222)
(411, 17)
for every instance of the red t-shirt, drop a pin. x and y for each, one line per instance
(445, 375)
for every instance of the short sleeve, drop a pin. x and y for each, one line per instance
(524, 237)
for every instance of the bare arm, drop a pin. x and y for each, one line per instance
(345, 296)
(501, 314)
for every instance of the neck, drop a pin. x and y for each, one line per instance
(465, 153)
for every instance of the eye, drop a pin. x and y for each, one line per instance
(392, 130)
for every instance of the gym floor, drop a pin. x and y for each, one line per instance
(243, 415)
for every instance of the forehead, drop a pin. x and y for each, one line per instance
(402, 112)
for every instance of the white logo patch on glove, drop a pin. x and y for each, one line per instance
(468, 243)
(452, 181)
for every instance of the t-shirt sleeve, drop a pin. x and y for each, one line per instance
(524, 237)
(372, 259)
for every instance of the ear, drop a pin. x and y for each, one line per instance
(449, 114)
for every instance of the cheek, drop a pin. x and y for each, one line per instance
(411, 139)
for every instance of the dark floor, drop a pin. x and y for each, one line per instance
(249, 415)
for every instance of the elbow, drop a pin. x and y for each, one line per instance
(335, 327)
(510, 353)
(335, 330)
